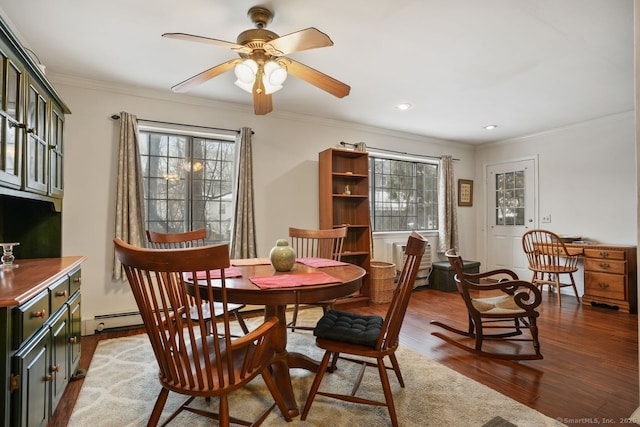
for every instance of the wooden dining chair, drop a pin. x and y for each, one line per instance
(316, 244)
(342, 333)
(190, 239)
(549, 259)
(503, 304)
(192, 361)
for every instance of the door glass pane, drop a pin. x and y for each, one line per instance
(510, 198)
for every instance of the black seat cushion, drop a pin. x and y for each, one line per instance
(349, 327)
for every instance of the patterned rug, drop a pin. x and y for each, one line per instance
(121, 387)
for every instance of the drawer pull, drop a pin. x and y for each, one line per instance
(41, 313)
(49, 377)
(61, 293)
(604, 254)
(78, 280)
(603, 285)
(73, 340)
(55, 368)
(604, 265)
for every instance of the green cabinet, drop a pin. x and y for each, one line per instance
(40, 315)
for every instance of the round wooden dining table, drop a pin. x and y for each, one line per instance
(275, 300)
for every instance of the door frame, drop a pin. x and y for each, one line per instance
(536, 198)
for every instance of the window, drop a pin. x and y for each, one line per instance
(510, 200)
(403, 194)
(188, 183)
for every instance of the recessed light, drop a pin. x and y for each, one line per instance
(403, 106)
(490, 127)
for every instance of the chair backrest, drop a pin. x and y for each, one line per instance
(460, 278)
(189, 357)
(318, 243)
(187, 239)
(546, 251)
(390, 333)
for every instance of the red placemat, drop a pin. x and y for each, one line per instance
(215, 274)
(293, 280)
(320, 262)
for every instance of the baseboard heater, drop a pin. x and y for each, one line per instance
(104, 322)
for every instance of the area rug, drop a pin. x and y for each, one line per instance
(121, 387)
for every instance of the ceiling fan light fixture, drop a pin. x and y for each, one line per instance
(246, 74)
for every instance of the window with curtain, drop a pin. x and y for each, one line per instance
(403, 194)
(188, 182)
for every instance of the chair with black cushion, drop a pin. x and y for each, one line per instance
(499, 302)
(191, 361)
(316, 244)
(345, 334)
(190, 239)
(549, 259)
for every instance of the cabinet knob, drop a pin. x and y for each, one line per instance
(78, 280)
(41, 313)
(73, 340)
(55, 368)
(604, 265)
(61, 293)
(48, 378)
(603, 285)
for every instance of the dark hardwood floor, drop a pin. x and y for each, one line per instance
(589, 374)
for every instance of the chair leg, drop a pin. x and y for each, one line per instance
(396, 368)
(158, 407)
(240, 319)
(295, 317)
(557, 277)
(316, 384)
(388, 396)
(573, 284)
(223, 411)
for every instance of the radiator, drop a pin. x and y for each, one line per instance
(111, 321)
(422, 278)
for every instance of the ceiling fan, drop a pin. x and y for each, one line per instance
(262, 66)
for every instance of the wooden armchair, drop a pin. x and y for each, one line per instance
(368, 337)
(506, 306)
(192, 361)
(316, 244)
(549, 259)
(192, 239)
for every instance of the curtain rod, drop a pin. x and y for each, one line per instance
(396, 152)
(117, 117)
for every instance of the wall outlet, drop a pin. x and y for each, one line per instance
(546, 218)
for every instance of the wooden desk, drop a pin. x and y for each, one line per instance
(610, 275)
(241, 290)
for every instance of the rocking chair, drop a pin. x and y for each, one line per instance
(507, 305)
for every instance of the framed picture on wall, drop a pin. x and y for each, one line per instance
(465, 192)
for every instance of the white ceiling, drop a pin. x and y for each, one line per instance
(525, 65)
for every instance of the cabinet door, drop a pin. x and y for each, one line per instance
(75, 329)
(36, 157)
(56, 150)
(30, 402)
(11, 127)
(60, 363)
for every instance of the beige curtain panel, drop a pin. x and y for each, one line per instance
(447, 213)
(243, 239)
(129, 222)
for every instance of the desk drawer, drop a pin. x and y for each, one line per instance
(604, 253)
(75, 280)
(605, 265)
(605, 285)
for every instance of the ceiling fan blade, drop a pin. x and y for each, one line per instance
(207, 40)
(205, 75)
(262, 103)
(310, 38)
(315, 77)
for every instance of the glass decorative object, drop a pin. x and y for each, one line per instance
(282, 256)
(7, 255)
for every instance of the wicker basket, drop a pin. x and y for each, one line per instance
(382, 284)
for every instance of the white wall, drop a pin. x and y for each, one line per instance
(586, 176)
(285, 148)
